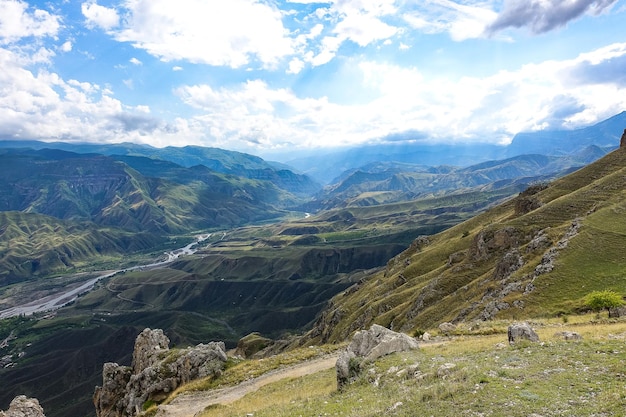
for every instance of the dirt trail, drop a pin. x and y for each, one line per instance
(191, 404)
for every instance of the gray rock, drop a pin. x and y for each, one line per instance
(568, 335)
(155, 372)
(367, 346)
(519, 331)
(447, 328)
(445, 369)
(21, 406)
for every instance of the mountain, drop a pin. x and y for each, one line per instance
(380, 183)
(536, 255)
(326, 166)
(109, 192)
(566, 142)
(34, 245)
(218, 160)
(60, 210)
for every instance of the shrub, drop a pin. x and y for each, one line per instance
(600, 300)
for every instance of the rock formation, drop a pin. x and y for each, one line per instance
(367, 346)
(622, 142)
(155, 372)
(21, 406)
(519, 331)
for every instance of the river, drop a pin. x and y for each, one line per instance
(58, 300)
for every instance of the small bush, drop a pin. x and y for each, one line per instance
(600, 300)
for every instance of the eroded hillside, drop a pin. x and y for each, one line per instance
(538, 254)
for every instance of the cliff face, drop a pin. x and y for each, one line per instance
(155, 372)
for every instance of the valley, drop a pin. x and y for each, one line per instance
(53, 301)
(212, 245)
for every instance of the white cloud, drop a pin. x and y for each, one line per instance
(492, 108)
(41, 105)
(66, 47)
(135, 61)
(100, 16)
(295, 66)
(18, 21)
(177, 68)
(363, 29)
(216, 33)
(461, 21)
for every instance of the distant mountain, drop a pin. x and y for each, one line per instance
(326, 166)
(536, 255)
(605, 134)
(392, 182)
(218, 160)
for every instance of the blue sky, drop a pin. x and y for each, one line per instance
(263, 75)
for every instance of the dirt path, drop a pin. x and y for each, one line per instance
(191, 404)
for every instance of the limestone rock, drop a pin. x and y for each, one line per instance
(155, 372)
(519, 331)
(21, 406)
(148, 345)
(369, 345)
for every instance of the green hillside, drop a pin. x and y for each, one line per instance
(536, 255)
(34, 245)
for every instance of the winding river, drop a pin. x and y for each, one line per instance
(58, 300)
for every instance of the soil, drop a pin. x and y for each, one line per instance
(191, 404)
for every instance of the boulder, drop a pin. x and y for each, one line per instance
(156, 371)
(21, 406)
(519, 331)
(447, 328)
(369, 345)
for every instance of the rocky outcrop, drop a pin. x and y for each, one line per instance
(622, 142)
(521, 331)
(21, 406)
(367, 346)
(155, 372)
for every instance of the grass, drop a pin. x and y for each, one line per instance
(238, 371)
(488, 378)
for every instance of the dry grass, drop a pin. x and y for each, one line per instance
(489, 378)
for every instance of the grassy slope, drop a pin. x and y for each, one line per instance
(449, 278)
(489, 378)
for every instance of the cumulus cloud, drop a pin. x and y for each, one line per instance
(18, 21)
(216, 33)
(135, 61)
(604, 66)
(542, 16)
(41, 105)
(100, 16)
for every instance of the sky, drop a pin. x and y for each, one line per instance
(264, 76)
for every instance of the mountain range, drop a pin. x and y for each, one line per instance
(408, 240)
